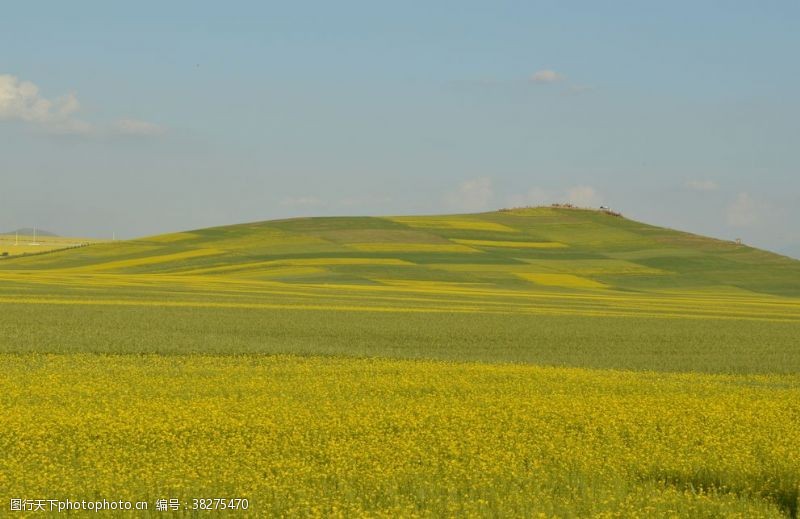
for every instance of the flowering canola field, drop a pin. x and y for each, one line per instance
(407, 367)
(349, 437)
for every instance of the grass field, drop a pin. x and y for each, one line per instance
(18, 245)
(538, 361)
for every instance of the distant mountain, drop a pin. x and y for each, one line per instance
(28, 231)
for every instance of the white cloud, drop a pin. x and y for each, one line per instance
(742, 212)
(701, 185)
(22, 101)
(138, 128)
(472, 195)
(547, 76)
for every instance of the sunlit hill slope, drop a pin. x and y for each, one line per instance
(526, 249)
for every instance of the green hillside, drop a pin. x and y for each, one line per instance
(527, 249)
(546, 285)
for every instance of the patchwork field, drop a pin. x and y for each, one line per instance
(537, 361)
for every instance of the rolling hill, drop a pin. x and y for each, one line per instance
(30, 231)
(535, 249)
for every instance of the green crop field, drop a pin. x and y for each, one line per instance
(541, 361)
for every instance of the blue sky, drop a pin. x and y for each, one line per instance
(148, 117)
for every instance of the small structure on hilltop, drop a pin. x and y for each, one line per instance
(603, 208)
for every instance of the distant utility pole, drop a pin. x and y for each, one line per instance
(34, 237)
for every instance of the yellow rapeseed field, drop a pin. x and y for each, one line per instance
(348, 437)
(452, 222)
(149, 260)
(560, 280)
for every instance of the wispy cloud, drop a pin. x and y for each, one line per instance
(357, 203)
(547, 76)
(303, 201)
(701, 185)
(471, 195)
(578, 89)
(534, 196)
(368, 200)
(551, 77)
(138, 128)
(22, 101)
(556, 81)
(581, 196)
(742, 211)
